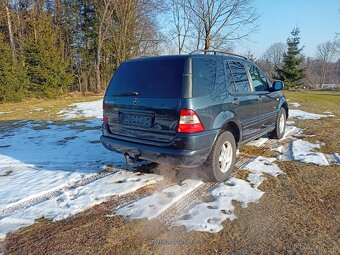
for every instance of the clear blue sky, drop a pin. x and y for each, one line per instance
(318, 21)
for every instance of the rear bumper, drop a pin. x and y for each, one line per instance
(186, 150)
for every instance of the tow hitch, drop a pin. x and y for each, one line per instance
(129, 160)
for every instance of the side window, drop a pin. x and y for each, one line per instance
(203, 75)
(240, 77)
(258, 78)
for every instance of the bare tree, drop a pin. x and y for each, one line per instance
(325, 54)
(326, 51)
(104, 18)
(133, 31)
(181, 20)
(223, 21)
(274, 53)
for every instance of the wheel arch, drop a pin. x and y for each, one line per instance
(284, 105)
(233, 127)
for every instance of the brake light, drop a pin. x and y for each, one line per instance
(104, 115)
(189, 122)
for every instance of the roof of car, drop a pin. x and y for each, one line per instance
(185, 56)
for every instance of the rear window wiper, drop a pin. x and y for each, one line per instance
(126, 94)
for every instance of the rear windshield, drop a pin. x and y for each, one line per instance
(149, 78)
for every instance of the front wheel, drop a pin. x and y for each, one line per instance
(280, 125)
(221, 160)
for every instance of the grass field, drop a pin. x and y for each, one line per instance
(326, 130)
(299, 213)
(40, 109)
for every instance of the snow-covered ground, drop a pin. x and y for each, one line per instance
(55, 169)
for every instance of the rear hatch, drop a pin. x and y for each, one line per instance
(143, 99)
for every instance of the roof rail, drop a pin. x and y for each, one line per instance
(218, 52)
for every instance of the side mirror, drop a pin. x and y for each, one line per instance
(277, 85)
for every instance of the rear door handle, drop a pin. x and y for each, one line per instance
(235, 101)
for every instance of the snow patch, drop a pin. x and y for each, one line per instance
(92, 109)
(303, 151)
(156, 203)
(209, 216)
(295, 104)
(291, 130)
(259, 166)
(303, 115)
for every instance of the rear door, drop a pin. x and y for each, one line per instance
(243, 101)
(268, 101)
(142, 102)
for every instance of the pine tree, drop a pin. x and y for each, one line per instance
(46, 68)
(13, 79)
(292, 73)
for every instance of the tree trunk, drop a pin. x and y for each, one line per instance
(101, 36)
(10, 30)
(207, 42)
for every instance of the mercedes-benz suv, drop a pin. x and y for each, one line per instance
(191, 110)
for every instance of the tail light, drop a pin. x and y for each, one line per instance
(104, 114)
(189, 122)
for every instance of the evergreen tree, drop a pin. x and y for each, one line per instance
(292, 73)
(13, 79)
(46, 68)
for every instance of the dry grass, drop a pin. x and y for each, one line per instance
(256, 151)
(40, 109)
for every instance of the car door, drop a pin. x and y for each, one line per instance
(267, 101)
(242, 101)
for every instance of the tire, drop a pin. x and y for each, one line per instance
(212, 165)
(280, 125)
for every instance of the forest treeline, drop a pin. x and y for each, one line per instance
(51, 47)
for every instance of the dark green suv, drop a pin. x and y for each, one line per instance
(191, 110)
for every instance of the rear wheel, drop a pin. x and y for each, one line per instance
(221, 160)
(280, 125)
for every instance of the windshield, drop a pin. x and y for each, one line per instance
(148, 78)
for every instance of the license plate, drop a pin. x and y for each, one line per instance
(136, 120)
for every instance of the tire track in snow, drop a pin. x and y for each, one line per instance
(27, 202)
(196, 195)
